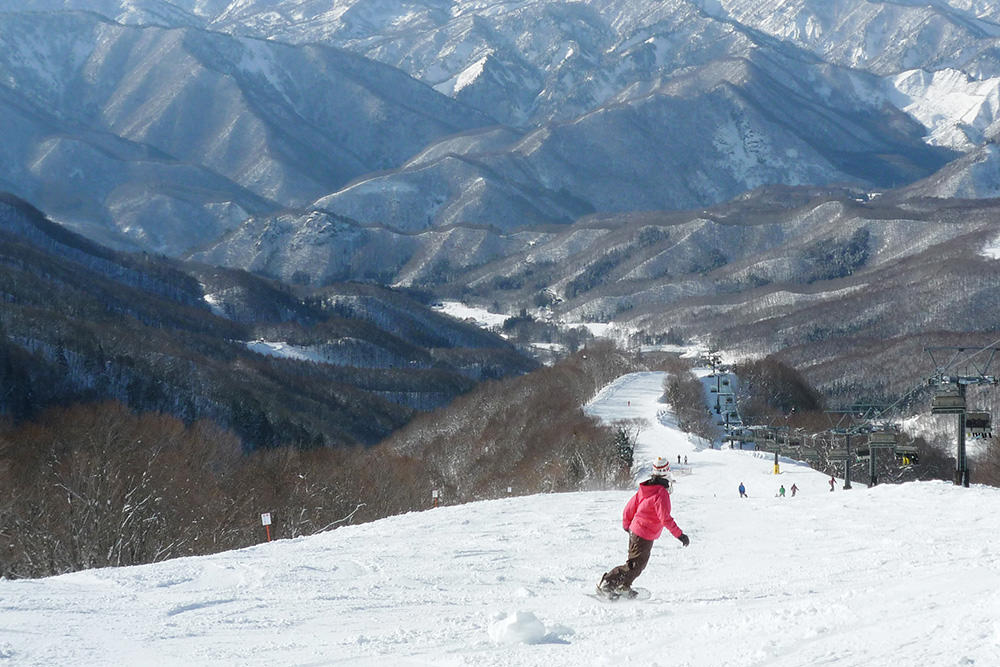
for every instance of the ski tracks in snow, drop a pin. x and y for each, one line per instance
(888, 576)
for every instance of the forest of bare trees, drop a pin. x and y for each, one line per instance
(97, 484)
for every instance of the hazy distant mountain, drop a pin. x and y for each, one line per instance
(650, 105)
(697, 140)
(701, 139)
(546, 59)
(167, 137)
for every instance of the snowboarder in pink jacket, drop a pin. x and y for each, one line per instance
(646, 514)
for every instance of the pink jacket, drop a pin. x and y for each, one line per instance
(648, 512)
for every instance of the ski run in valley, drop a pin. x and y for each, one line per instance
(895, 575)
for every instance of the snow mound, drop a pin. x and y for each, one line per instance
(519, 627)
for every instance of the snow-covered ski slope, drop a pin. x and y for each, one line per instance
(895, 575)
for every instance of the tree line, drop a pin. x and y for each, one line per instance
(98, 484)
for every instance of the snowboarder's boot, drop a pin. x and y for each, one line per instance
(626, 592)
(607, 588)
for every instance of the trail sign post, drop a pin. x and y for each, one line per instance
(265, 520)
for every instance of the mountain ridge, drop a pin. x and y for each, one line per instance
(86, 323)
(228, 107)
(623, 54)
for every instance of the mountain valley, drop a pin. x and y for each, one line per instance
(813, 180)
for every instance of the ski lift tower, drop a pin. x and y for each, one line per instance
(950, 384)
(847, 426)
(844, 454)
(880, 436)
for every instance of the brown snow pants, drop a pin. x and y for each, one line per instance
(639, 549)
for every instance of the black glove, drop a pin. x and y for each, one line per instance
(685, 540)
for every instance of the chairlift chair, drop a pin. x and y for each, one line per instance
(907, 454)
(947, 401)
(883, 438)
(978, 424)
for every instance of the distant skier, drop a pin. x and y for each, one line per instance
(646, 514)
(743, 491)
(833, 482)
(678, 458)
(685, 460)
(794, 489)
(781, 491)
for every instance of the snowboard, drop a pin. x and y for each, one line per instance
(640, 594)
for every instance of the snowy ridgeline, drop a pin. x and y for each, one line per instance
(344, 351)
(896, 575)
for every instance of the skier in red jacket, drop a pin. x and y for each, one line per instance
(646, 514)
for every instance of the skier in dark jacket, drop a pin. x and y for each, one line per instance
(743, 491)
(646, 514)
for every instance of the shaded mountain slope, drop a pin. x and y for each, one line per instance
(81, 322)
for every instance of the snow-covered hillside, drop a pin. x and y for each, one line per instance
(896, 575)
(166, 127)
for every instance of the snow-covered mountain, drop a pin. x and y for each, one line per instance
(973, 176)
(167, 137)
(642, 105)
(265, 136)
(699, 139)
(822, 278)
(549, 59)
(848, 577)
(885, 37)
(957, 110)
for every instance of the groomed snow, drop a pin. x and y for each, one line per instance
(895, 575)
(480, 316)
(285, 350)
